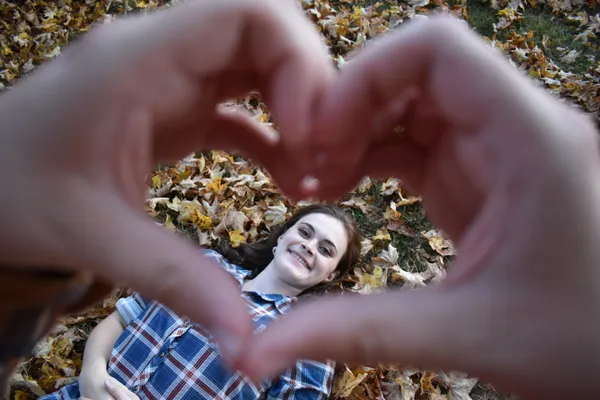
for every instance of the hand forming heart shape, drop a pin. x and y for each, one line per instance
(484, 148)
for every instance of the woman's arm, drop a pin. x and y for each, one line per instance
(96, 355)
(101, 341)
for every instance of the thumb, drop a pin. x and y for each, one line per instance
(118, 390)
(122, 246)
(423, 328)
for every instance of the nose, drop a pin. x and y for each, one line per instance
(308, 249)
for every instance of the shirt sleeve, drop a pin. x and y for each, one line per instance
(131, 307)
(309, 380)
(236, 271)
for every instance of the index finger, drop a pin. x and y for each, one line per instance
(163, 58)
(466, 79)
(469, 84)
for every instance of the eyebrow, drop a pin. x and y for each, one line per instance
(312, 228)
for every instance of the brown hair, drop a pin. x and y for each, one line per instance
(256, 256)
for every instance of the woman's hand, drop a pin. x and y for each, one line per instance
(92, 383)
(510, 173)
(107, 388)
(79, 136)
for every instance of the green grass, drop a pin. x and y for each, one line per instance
(482, 17)
(409, 258)
(560, 33)
(541, 21)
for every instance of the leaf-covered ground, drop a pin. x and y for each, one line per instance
(214, 195)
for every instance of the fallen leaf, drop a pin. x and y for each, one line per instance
(365, 246)
(357, 202)
(458, 384)
(234, 220)
(369, 283)
(276, 215)
(392, 185)
(169, 223)
(382, 235)
(364, 185)
(236, 237)
(347, 383)
(440, 245)
(410, 279)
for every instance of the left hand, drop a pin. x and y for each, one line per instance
(496, 161)
(79, 135)
(117, 390)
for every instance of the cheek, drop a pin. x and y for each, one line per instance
(327, 266)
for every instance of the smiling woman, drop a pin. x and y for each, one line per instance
(323, 237)
(144, 350)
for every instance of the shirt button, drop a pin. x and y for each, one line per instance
(162, 355)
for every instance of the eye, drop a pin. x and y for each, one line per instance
(326, 251)
(304, 232)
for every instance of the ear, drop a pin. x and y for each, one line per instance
(331, 276)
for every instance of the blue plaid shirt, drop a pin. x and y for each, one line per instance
(162, 355)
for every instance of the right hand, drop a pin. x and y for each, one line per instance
(127, 96)
(92, 384)
(509, 173)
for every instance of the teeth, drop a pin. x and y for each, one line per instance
(297, 257)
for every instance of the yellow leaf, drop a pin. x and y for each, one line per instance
(156, 181)
(347, 383)
(169, 223)
(21, 395)
(391, 214)
(438, 244)
(370, 282)
(426, 381)
(236, 238)
(216, 185)
(201, 220)
(382, 234)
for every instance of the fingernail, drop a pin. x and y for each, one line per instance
(228, 344)
(309, 184)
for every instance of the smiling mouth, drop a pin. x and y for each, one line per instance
(300, 259)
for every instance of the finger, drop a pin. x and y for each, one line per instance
(429, 328)
(431, 54)
(164, 57)
(123, 246)
(427, 52)
(235, 130)
(391, 156)
(340, 161)
(118, 390)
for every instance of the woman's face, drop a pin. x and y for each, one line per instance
(309, 251)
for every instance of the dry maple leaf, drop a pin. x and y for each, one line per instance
(234, 220)
(365, 246)
(344, 386)
(458, 384)
(236, 237)
(391, 186)
(382, 235)
(443, 247)
(369, 283)
(276, 215)
(357, 202)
